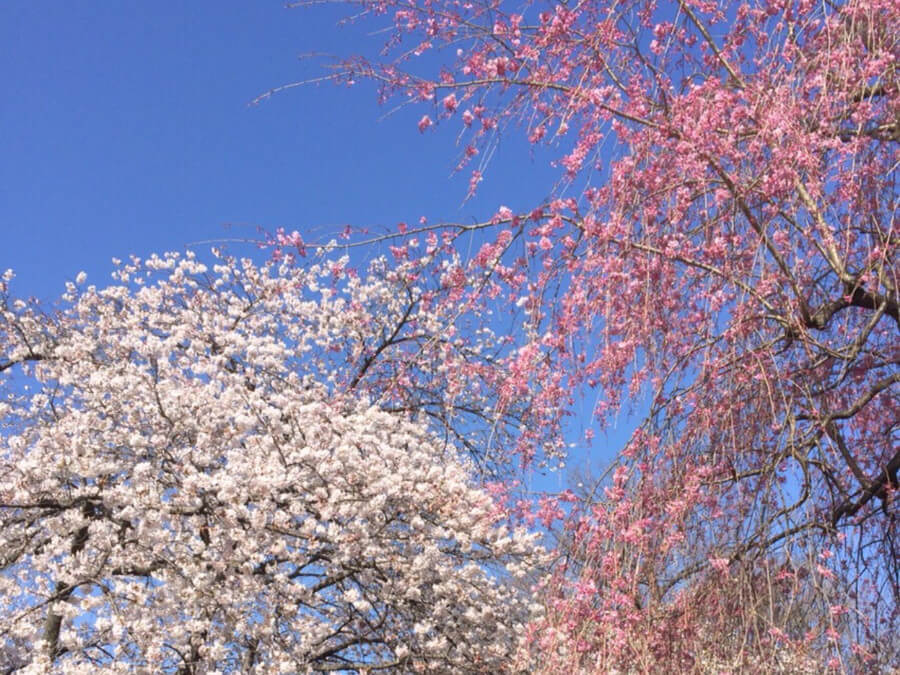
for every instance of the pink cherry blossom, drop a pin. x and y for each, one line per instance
(718, 259)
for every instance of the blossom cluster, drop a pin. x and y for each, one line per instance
(718, 260)
(196, 477)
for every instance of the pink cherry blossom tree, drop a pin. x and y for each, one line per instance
(720, 256)
(211, 469)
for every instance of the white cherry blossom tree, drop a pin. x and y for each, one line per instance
(202, 470)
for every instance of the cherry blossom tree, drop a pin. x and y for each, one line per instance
(213, 470)
(718, 258)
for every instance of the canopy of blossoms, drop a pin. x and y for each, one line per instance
(719, 256)
(191, 481)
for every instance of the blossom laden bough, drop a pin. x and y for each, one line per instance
(203, 476)
(722, 251)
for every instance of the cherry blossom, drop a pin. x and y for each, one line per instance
(719, 257)
(201, 472)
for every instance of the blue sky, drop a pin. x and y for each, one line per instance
(127, 129)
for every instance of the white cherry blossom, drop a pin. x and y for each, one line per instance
(211, 473)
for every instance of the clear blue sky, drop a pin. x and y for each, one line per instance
(126, 128)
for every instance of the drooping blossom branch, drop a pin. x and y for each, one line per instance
(723, 257)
